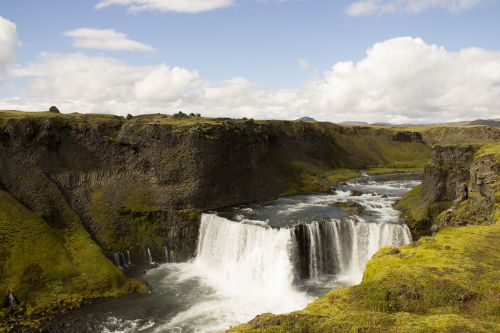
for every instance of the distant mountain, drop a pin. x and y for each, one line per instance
(354, 123)
(477, 122)
(383, 124)
(486, 122)
(309, 119)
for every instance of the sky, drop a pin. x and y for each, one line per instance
(399, 61)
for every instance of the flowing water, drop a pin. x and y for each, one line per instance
(269, 257)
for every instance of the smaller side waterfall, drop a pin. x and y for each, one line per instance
(149, 257)
(169, 255)
(122, 258)
(128, 258)
(342, 247)
(116, 258)
(12, 300)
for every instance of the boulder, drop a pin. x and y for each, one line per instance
(350, 207)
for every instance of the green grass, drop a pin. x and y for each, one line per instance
(492, 149)
(341, 175)
(446, 283)
(415, 211)
(301, 176)
(379, 171)
(6, 115)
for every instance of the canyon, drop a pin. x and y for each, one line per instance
(95, 193)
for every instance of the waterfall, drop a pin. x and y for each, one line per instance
(122, 258)
(167, 257)
(278, 258)
(128, 258)
(116, 258)
(12, 300)
(150, 258)
(240, 255)
(342, 247)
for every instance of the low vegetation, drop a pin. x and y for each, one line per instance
(380, 171)
(47, 267)
(418, 213)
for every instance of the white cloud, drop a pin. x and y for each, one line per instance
(378, 7)
(407, 80)
(163, 83)
(105, 39)
(8, 42)
(181, 6)
(102, 79)
(402, 80)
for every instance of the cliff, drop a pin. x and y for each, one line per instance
(459, 187)
(89, 188)
(449, 282)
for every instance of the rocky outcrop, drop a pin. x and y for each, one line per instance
(460, 187)
(350, 207)
(449, 168)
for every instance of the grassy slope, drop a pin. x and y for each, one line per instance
(452, 134)
(446, 283)
(46, 266)
(419, 214)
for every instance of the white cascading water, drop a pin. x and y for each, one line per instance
(128, 258)
(246, 257)
(249, 268)
(251, 255)
(150, 258)
(343, 247)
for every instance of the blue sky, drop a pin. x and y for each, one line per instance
(260, 41)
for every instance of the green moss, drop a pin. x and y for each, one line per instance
(301, 176)
(125, 216)
(191, 214)
(446, 283)
(45, 266)
(415, 211)
(122, 217)
(490, 149)
(341, 175)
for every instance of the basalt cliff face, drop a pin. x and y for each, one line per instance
(103, 193)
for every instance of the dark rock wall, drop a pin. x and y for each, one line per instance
(139, 185)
